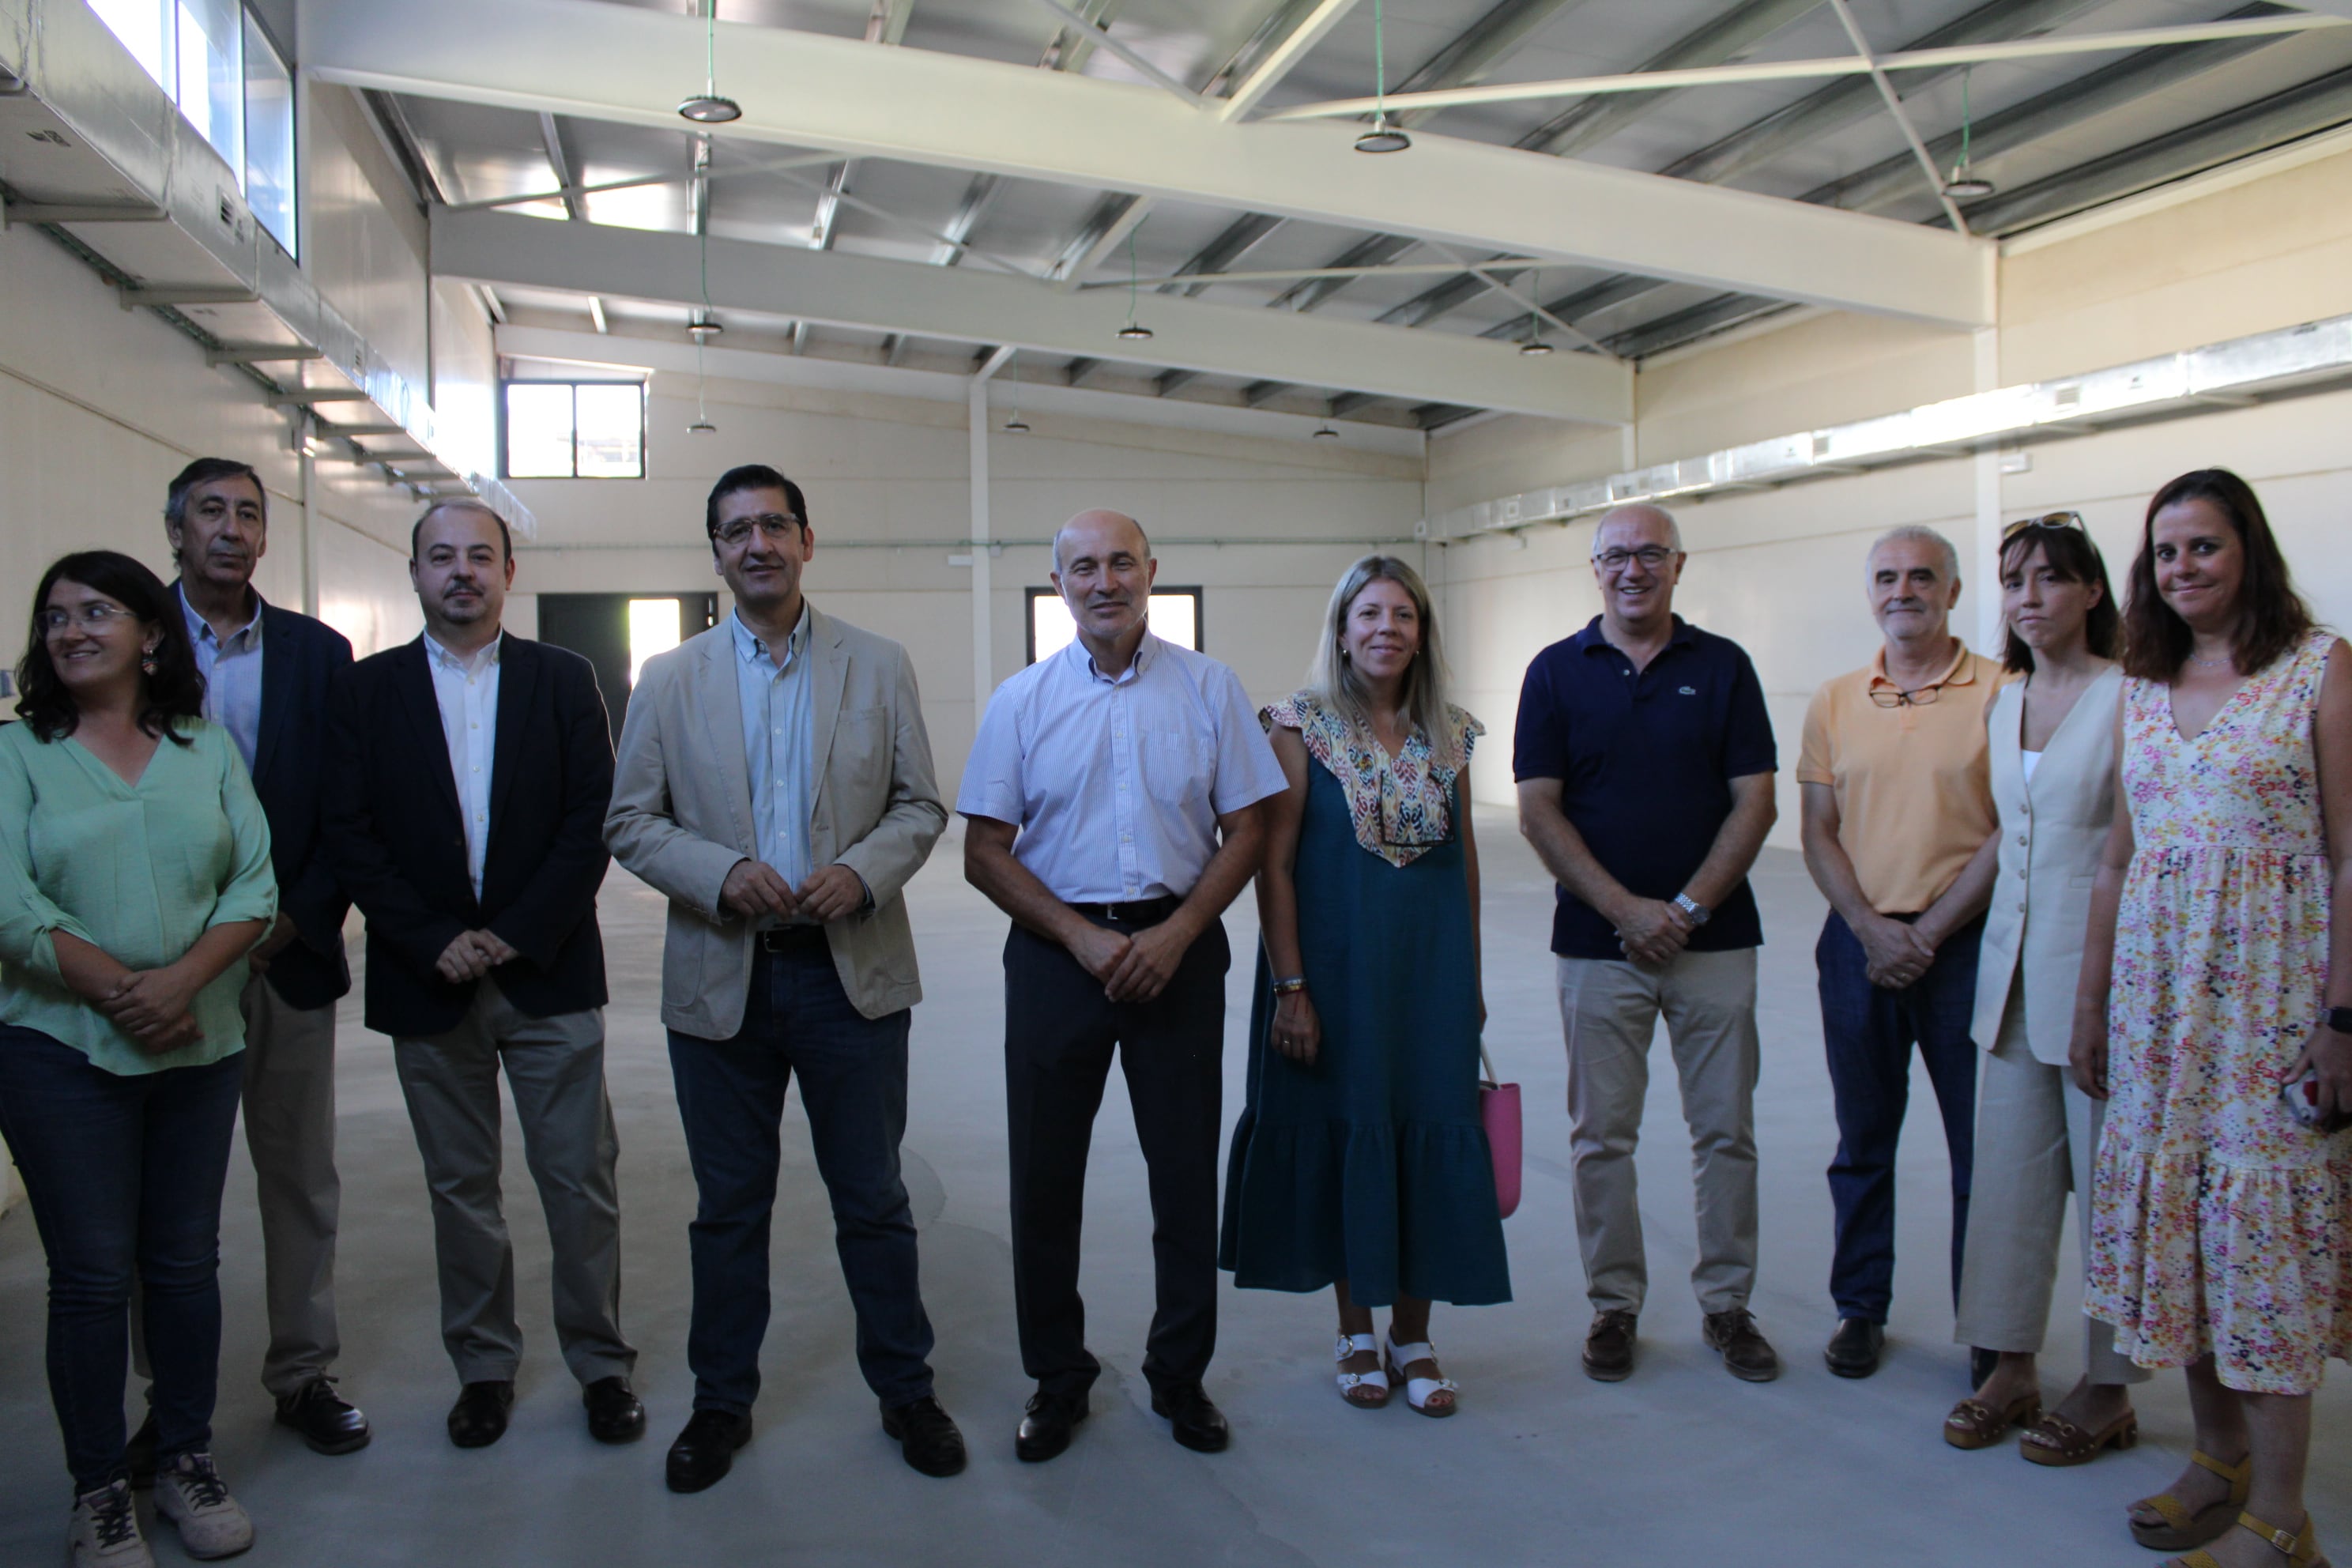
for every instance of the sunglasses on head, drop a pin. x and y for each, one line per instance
(2049, 520)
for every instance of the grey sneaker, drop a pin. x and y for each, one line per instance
(190, 1493)
(105, 1530)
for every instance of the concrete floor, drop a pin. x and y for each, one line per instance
(1680, 1464)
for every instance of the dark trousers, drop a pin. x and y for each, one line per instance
(730, 1095)
(1870, 1032)
(1059, 1034)
(124, 1173)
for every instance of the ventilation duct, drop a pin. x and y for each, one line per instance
(95, 151)
(2226, 375)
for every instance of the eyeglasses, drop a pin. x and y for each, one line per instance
(93, 617)
(1650, 556)
(1888, 697)
(2052, 521)
(773, 524)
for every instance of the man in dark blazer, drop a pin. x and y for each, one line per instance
(468, 773)
(267, 673)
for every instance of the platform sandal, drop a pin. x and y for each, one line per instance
(1973, 1424)
(2300, 1550)
(2055, 1441)
(1364, 1390)
(1420, 1391)
(2181, 1529)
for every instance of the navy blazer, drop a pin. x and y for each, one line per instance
(299, 660)
(398, 841)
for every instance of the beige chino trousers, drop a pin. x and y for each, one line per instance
(1609, 1011)
(2037, 1137)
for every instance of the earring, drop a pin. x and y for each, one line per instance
(147, 661)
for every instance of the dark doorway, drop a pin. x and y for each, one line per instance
(614, 631)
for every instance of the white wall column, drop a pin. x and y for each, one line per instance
(983, 678)
(1982, 575)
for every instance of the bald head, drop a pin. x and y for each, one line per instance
(1100, 531)
(1635, 525)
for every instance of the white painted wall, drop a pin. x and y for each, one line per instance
(1781, 570)
(888, 486)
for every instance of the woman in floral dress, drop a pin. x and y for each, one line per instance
(2214, 975)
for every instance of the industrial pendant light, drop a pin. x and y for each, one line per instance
(1383, 137)
(707, 107)
(1017, 425)
(1133, 331)
(1966, 185)
(1532, 345)
(703, 327)
(1327, 431)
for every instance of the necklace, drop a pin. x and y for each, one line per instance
(2213, 663)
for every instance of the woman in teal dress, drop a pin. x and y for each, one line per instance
(1360, 1162)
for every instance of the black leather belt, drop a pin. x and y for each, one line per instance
(792, 939)
(1143, 912)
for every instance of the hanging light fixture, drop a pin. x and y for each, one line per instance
(1133, 331)
(1532, 345)
(1384, 136)
(1016, 425)
(707, 107)
(1966, 185)
(1327, 431)
(703, 327)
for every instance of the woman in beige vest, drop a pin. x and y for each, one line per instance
(2052, 759)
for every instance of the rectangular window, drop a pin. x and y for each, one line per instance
(144, 27)
(1175, 617)
(268, 136)
(575, 430)
(210, 92)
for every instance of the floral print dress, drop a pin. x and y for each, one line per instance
(2218, 1222)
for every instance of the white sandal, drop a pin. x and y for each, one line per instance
(1356, 1344)
(1419, 1391)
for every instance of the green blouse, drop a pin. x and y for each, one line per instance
(138, 871)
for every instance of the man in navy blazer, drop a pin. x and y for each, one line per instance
(267, 672)
(469, 772)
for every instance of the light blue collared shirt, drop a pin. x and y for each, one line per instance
(232, 672)
(778, 736)
(1117, 785)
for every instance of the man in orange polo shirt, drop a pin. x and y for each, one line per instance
(1896, 804)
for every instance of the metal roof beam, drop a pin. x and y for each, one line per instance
(1726, 39)
(1477, 51)
(581, 59)
(971, 306)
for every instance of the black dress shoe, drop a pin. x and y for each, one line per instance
(614, 1414)
(479, 1417)
(138, 1454)
(1045, 1429)
(328, 1422)
(705, 1451)
(927, 1436)
(1200, 1425)
(1854, 1349)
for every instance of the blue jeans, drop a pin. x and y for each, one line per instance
(1869, 1032)
(124, 1173)
(730, 1095)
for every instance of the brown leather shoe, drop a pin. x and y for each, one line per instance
(1746, 1354)
(1609, 1346)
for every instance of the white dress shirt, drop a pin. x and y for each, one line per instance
(467, 688)
(232, 670)
(1116, 785)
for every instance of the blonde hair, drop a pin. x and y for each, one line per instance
(1332, 677)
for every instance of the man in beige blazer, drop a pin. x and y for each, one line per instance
(774, 780)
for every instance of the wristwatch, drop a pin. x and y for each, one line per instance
(2340, 1020)
(1700, 915)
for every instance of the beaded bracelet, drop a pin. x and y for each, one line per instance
(1295, 983)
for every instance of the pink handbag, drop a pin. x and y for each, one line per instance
(1498, 1109)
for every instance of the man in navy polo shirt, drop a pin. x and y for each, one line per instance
(1644, 762)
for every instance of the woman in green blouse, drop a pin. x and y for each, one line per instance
(134, 874)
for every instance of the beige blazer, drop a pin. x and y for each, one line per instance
(2052, 832)
(681, 814)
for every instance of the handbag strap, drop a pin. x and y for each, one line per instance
(1487, 1063)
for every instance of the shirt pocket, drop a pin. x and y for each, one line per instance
(1180, 767)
